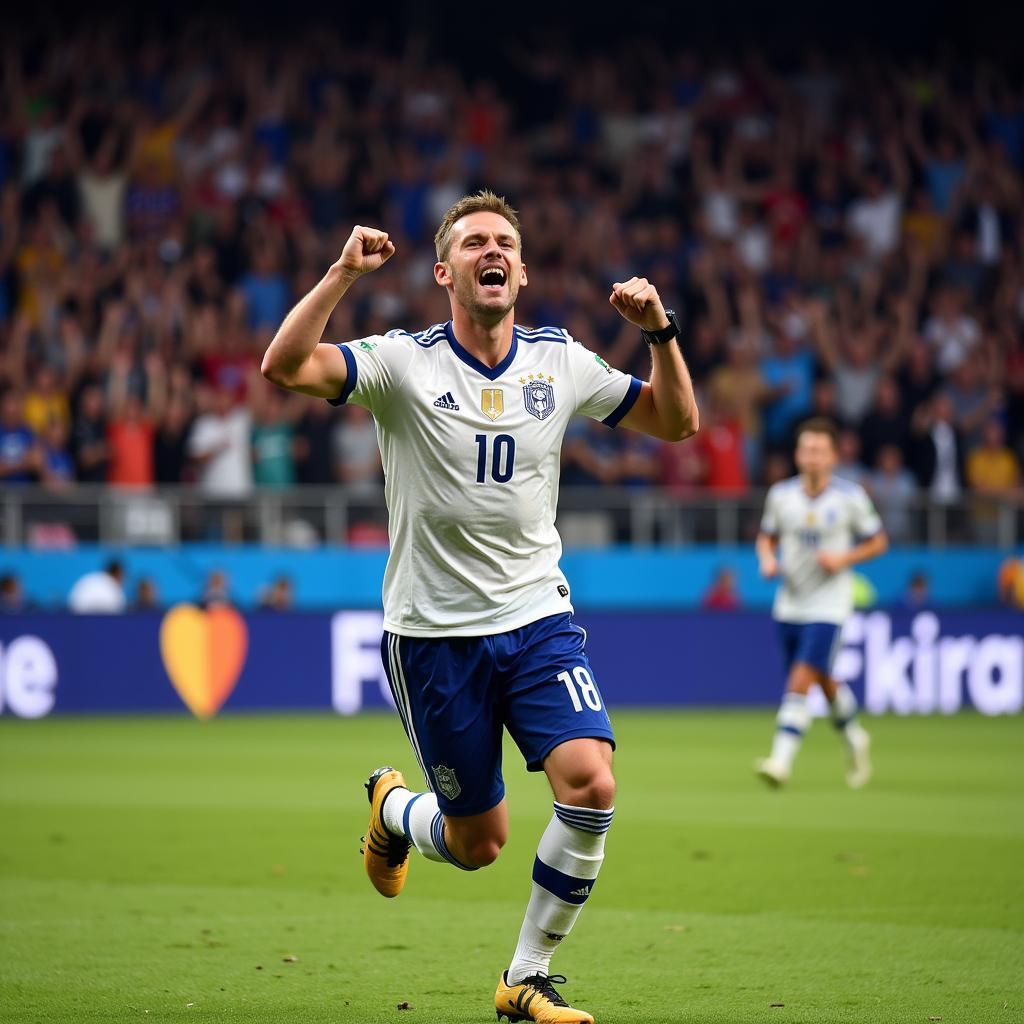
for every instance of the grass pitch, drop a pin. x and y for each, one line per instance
(165, 869)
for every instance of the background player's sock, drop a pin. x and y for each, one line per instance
(568, 859)
(417, 817)
(791, 723)
(843, 708)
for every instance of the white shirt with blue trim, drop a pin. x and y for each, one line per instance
(471, 462)
(835, 520)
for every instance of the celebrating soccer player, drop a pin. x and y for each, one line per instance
(815, 526)
(477, 615)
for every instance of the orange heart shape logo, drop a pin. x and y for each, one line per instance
(203, 653)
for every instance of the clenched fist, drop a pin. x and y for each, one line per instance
(637, 300)
(366, 250)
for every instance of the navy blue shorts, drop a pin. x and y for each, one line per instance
(813, 643)
(456, 693)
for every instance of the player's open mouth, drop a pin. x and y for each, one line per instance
(492, 278)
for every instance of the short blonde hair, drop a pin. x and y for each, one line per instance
(484, 201)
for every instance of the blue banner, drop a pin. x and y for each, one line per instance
(206, 662)
(613, 579)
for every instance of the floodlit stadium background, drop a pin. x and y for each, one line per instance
(833, 200)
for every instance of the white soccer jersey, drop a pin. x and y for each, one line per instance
(840, 516)
(471, 465)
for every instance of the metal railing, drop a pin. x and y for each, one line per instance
(309, 516)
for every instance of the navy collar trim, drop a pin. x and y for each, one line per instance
(490, 372)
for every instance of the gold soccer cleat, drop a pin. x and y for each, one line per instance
(386, 856)
(535, 998)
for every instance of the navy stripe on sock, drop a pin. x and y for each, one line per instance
(584, 826)
(791, 729)
(565, 887)
(597, 830)
(586, 819)
(593, 819)
(405, 815)
(589, 812)
(585, 812)
(437, 835)
(842, 723)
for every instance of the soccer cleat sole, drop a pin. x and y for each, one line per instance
(514, 1018)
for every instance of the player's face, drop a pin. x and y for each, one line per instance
(815, 454)
(484, 270)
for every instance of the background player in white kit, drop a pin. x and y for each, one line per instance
(478, 631)
(814, 527)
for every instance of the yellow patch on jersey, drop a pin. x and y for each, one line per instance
(492, 402)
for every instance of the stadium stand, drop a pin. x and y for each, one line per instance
(844, 235)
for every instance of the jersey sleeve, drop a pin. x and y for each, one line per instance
(770, 516)
(865, 521)
(377, 366)
(602, 392)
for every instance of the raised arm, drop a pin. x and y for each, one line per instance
(822, 333)
(666, 407)
(296, 359)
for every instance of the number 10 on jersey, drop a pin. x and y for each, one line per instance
(502, 458)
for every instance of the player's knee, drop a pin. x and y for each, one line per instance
(484, 851)
(601, 791)
(596, 789)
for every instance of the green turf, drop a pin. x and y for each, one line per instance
(163, 869)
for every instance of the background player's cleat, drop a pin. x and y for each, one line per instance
(860, 758)
(536, 998)
(386, 856)
(772, 772)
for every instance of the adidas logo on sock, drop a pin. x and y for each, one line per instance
(585, 891)
(447, 401)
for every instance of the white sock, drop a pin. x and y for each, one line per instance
(569, 857)
(791, 723)
(417, 817)
(843, 708)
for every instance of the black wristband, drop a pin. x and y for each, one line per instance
(664, 334)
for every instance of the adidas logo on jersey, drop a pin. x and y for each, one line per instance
(447, 401)
(585, 891)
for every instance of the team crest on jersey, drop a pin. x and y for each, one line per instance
(539, 396)
(492, 402)
(447, 784)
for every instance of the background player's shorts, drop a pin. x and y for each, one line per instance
(813, 643)
(456, 693)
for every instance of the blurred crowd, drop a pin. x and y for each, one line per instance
(841, 236)
(110, 591)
